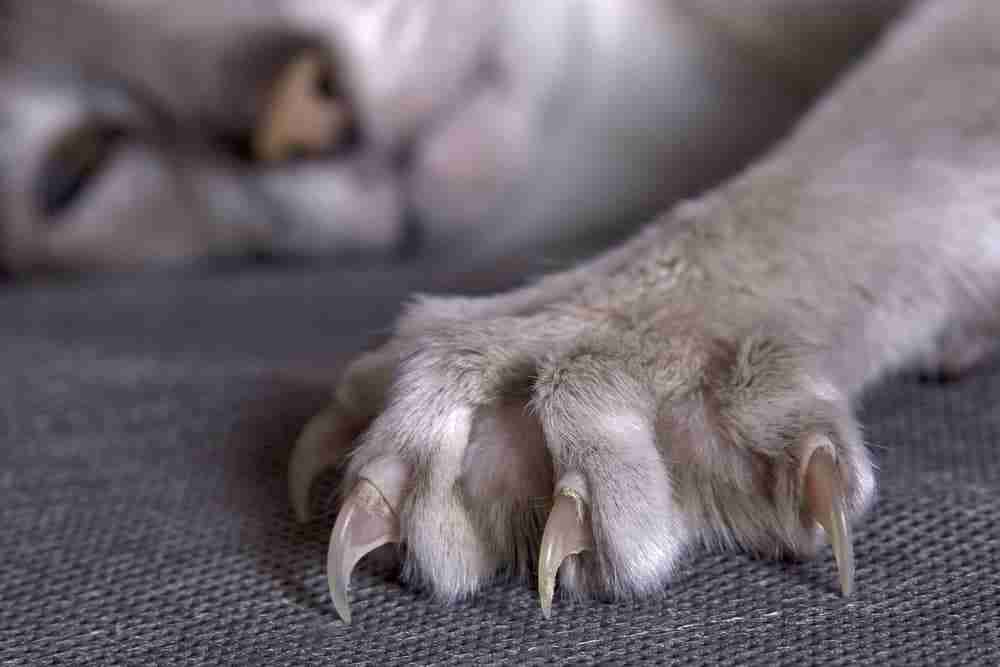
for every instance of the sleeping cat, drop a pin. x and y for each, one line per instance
(151, 131)
(693, 387)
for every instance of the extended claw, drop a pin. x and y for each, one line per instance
(365, 522)
(566, 533)
(825, 501)
(315, 451)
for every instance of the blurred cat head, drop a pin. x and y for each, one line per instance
(138, 132)
(131, 132)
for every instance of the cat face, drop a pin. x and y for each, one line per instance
(136, 132)
(131, 133)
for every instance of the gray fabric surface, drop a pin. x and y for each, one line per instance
(143, 516)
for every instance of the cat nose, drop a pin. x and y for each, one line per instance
(306, 112)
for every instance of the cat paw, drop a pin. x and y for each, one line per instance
(587, 445)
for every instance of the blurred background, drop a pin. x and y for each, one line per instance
(461, 135)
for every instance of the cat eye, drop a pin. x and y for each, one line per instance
(307, 113)
(73, 163)
(326, 84)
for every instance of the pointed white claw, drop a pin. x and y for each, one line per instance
(321, 445)
(365, 522)
(825, 501)
(567, 532)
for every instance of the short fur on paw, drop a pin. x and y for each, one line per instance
(692, 387)
(637, 432)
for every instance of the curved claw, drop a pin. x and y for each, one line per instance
(315, 451)
(365, 522)
(566, 533)
(825, 500)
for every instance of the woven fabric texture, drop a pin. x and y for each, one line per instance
(143, 513)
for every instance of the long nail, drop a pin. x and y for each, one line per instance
(365, 522)
(825, 501)
(315, 451)
(567, 532)
(296, 116)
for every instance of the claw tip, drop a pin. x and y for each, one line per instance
(825, 500)
(343, 608)
(566, 533)
(546, 591)
(365, 522)
(315, 451)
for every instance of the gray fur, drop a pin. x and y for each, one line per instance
(519, 128)
(681, 382)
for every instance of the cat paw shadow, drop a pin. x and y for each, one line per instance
(257, 451)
